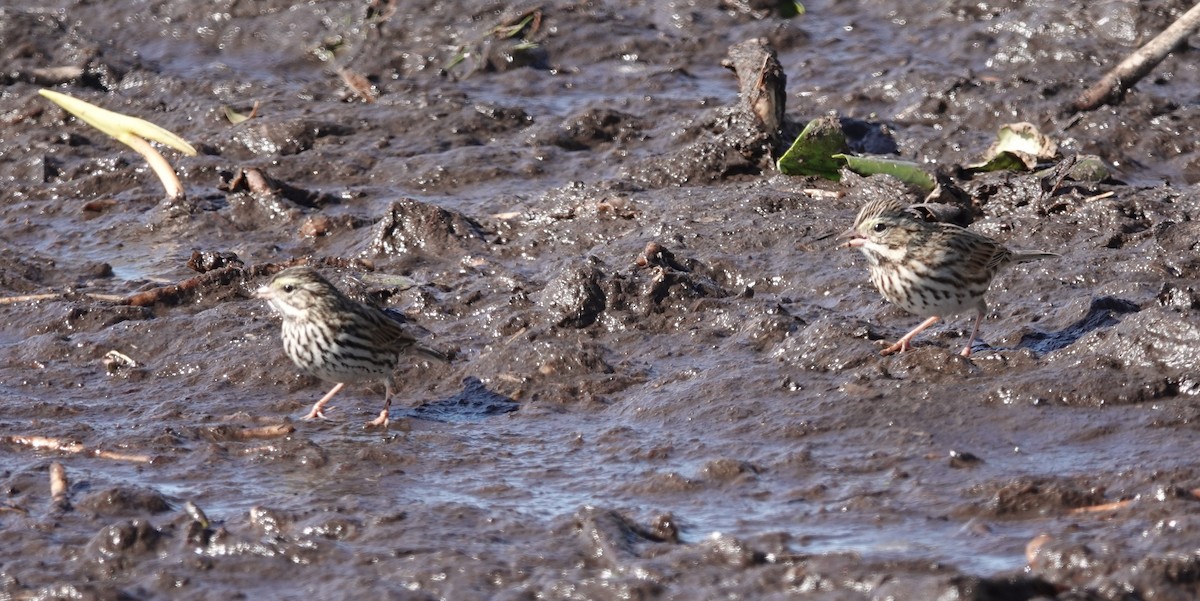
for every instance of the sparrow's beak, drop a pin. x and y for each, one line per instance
(263, 292)
(852, 237)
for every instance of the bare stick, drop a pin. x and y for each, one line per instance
(1111, 88)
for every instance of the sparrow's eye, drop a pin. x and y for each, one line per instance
(879, 227)
(289, 287)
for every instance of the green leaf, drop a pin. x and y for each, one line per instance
(1006, 160)
(905, 171)
(790, 8)
(459, 56)
(509, 31)
(814, 151)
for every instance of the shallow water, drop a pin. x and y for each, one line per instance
(717, 425)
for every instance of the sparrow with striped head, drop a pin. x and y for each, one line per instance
(337, 339)
(930, 269)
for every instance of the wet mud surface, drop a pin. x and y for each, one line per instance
(667, 382)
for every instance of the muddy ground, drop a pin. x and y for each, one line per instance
(709, 419)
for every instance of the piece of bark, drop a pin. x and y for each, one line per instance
(762, 84)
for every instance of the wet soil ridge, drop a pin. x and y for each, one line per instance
(411, 226)
(666, 381)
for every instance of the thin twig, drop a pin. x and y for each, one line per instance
(1112, 87)
(1100, 196)
(817, 193)
(1195, 494)
(1113, 506)
(54, 444)
(187, 289)
(29, 298)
